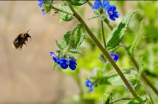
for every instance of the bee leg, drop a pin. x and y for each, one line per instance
(25, 44)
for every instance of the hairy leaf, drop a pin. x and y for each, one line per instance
(135, 42)
(64, 42)
(77, 2)
(65, 16)
(117, 34)
(78, 37)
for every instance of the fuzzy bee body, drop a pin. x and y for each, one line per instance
(20, 40)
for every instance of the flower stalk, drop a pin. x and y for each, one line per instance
(102, 32)
(103, 50)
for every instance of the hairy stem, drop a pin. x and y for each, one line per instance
(103, 51)
(102, 32)
(120, 100)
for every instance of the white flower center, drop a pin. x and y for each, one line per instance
(111, 13)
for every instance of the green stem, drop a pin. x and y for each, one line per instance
(89, 3)
(120, 100)
(102, 32)
(145, 89)
(103, 51)
(61, 10)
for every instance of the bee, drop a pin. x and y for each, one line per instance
(20, 40)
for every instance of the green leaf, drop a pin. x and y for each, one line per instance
(117, 34)
(114, 79)
(75, 51)
(78, 37)
(108, 99)
(77, 2)
(138, 100)
(101, 101)
(65, 41)
(65, 16)
(135, 42)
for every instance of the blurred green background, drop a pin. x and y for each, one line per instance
(27, 76)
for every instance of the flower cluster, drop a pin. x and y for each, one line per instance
(89, 84)
(114, 56)
(111, 9)
(41, 3)
(64, 63)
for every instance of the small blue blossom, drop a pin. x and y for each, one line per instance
(89, 84)
(41, 3)
(55, 58)
(136, 88)
(114, 56)
(111, 9)
(126, 87)
(64, 63)
(98, 4)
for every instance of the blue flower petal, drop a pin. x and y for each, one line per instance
(72, 62)
(40, 4)
(113, 8)
(97, 4)
(88, 83)
(114, 56)
(116, 14)
(112, 17)
(105, 4)
(91, 88)
(126, 88)
(72, 66)
(43, 13)
(64, 66)
(62, 60)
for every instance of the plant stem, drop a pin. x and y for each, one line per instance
(103, 51)
(137, 67)
(61, 10)
(145, 89)
(89, 3)
(120, 100)
(102, 32)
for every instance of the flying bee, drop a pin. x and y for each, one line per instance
(20, 40)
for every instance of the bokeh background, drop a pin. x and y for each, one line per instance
(27, 76)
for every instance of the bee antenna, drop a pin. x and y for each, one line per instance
(28, 30)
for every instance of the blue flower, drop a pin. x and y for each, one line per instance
(55, 58)
(114, 56)
(41, 3)
(89, 84)
(64, 63)
(98, 4)
(126, 87)
(111, 9)
(135, 87)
